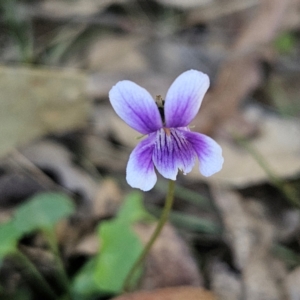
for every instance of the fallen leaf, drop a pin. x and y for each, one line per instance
(117, 54)
(107, 199)
(242, 66)
(65, 9)
(225, 283)
(187, 4)
(238, 232)
(293, 286)
(278, 143)
(250, 235)
(218, 9)
(57, 160)
(89, 245)
(170, 262)
(35, 102)
(178, 293)
(262, 280)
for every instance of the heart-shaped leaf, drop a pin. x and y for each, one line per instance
(43, 211)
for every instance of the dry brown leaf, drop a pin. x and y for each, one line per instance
(238, 227)
(263, 28)
(186, 4)
(78, 235)
(101, 153)
(225, 284)
(89, 245)
(293, 286)
(179, 293)
(117, 54)
(169, 262)
(53, 157)
(250, 235)
(17, 186)
(247, 228)
(99, 84)
(263, 278)
(218, 9)
(35, 102)
(107, 200)
(292, 19)
(240, 73)
(67, 9)
(43, 259)
(278, 144)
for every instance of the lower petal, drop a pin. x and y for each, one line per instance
(140, 171)
(208, 151)
(172, 152)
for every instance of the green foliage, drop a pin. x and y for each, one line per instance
(133, 209)
(9, 236)
(120, 247)
(285, 43)
(42, 212)
(84, 284)
(290, 257)
(20, 29)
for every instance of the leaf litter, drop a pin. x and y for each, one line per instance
(243, 246)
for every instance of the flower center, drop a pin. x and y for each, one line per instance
(167, 131)
(160, 105)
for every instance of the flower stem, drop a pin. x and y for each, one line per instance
(163, 219)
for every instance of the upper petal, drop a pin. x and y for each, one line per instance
(172, 152)
(208, 151)
(140, 171)
(135, 106)
(184, 98)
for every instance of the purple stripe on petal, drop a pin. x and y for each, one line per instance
(172, 152)
(140, 171)
(208, 151)
(134, 105)
(184, 98)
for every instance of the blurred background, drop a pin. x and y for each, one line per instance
(235, 235)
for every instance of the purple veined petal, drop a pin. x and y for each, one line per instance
(172, 152)
(208, 151)
(184, 98)
(140, 171)
(134, 105)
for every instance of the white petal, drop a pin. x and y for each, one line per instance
(208, 151)
(140, 171)
(184, 98)
(134, 105)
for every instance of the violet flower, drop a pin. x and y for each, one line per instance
(170, 145)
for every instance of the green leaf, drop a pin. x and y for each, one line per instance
(43, 211)
(120, 249)
(133, 209)
(84, 285)
(9, 236)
